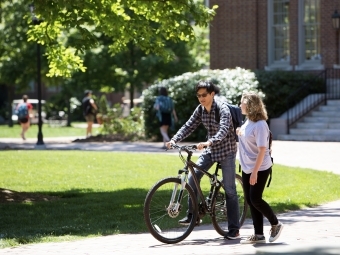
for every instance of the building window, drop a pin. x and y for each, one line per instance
(52, 89)
(278, 35)
(31, 86)
(309, 35)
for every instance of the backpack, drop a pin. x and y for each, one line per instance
(270, 153)
(22, 111)
(87, 107)
(236, 115)
(165, 104)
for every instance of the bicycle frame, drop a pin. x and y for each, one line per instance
(168, 221)
(183, 175)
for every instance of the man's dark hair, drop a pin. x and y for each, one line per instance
(205, 85)
(163, 91)
(217, 90)
(24, 98)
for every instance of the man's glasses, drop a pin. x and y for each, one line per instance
(202, 95)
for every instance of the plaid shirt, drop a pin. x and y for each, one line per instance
(221, 135)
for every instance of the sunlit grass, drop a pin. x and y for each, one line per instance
(14, 132)
(102, 193)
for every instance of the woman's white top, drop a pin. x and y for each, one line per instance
(251, 136)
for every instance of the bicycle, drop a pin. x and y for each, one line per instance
(167, 202)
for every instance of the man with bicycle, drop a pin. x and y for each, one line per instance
(220, 147)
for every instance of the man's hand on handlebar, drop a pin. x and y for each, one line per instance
(169, 144)
(202, 145)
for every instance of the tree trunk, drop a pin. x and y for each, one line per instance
(132, 85)
(69, 113)
(132, 92)
(10, 92)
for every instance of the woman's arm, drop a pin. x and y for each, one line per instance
(175, 115)
(259, 160)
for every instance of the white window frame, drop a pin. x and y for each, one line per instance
(306, 64)
(272, 63)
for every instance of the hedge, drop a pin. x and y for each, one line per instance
(232, 82)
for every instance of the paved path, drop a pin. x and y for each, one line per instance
(309, 231)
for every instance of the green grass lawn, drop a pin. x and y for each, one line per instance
(14, 132)
(102, 193)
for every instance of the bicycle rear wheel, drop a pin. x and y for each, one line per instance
(219, 209)
(160, 213)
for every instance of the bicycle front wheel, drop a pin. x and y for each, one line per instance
(165, 204)
(219, 208)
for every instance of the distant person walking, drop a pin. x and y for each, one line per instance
(166, 113)
(24, 111)
(256, 166)
(89, 111)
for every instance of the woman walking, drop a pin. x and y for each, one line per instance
(256, 166)
(166, 113)
(24, 112)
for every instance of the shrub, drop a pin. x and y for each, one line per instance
(232, 83)
(278, 85)
(130, 128)
(103, 106)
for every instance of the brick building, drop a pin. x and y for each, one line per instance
(274, 34)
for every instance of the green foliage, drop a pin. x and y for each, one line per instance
(70, 38)
(147, 24)
(102, 193)
(130, 128)
(103, 105)
(278, 85)
(16, 54)
(199, 48)
(55, 104)
(232, 83)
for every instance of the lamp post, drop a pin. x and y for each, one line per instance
(336, 25)
(36, 21)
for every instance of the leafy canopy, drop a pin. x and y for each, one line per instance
(149, 24)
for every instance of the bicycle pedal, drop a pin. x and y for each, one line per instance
(198, 222)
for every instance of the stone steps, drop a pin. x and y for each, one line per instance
(319, 119)
(328, 113)
(319, 138)
(310, 131)
(318, 125)
(321, 124)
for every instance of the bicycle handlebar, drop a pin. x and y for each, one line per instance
(187, 148)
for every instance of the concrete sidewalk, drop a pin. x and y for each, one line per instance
(310, 231)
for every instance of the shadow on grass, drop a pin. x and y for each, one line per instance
(80, 213)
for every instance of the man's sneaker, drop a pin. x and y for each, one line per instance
(186, 220)
(275, 232)
(233, 234)
(254, 239)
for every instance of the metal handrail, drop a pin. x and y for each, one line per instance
(299, 104)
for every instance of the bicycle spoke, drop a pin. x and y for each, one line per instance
(160, 216)
(220, 219)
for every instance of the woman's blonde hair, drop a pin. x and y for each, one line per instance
(256, 110)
